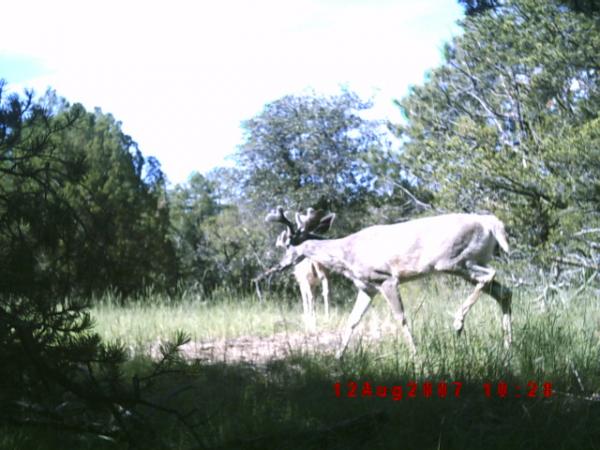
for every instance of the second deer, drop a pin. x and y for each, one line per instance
(308, 274)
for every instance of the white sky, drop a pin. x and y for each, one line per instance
(182, 75)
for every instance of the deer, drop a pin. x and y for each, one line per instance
(379, 258)
(308, 274)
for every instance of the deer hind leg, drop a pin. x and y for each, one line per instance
(363, 300)
(480, 276)
(389, 289)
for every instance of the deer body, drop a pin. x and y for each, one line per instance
(408, 250)
(380, 257)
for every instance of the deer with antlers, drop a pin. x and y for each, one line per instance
(379, 258)
(308, 274)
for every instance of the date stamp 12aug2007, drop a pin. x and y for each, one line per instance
(442, 389)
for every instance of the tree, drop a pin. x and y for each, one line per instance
(509, 124)
(473, 7)
(126, 217)
(234, 242)
(192, 204)
(310, 151)
(56, 373)
(315, 151)
(34, 213)
(77, 216)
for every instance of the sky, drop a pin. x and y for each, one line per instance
(182, 75)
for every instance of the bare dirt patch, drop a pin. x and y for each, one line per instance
(262, 349)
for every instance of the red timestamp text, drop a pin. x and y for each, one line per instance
(532, 389)
(411, 389)
(442, 389)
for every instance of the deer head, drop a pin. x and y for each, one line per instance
(308, 226)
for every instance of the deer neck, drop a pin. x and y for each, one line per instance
(327, 252)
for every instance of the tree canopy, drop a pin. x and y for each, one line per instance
(77, 214)
(309, 150)
(509, 123)
(76, 218)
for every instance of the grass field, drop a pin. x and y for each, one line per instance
(292, 402)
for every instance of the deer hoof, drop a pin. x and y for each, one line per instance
(458, 326)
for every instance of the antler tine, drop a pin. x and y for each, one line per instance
(278, 215)
(311, 220)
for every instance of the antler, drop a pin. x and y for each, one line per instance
(317, 221)
(314, 221)
(277, 215)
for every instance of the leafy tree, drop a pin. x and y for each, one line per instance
(77, 216)
(125, 217)
(234, 243)
(310, 151)
(227, 186)
(34, 213)
(217, 238)
(509, 124)
(56, 374)
(192, 204)
(473, 7)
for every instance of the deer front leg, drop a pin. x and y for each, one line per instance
(310, 322)
(363, 300)
(500, 293)
(325, 291)
(459, 319)
(389, 289)
(503, 296)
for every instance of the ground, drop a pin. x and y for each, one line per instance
(262, 349)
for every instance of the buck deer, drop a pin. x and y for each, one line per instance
(309, 274)
(380, 257)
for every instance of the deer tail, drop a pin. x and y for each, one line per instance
(500, 234)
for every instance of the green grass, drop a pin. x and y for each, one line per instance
(291, 403)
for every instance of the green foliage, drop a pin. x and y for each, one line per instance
(291, 402)
(191, 204)
(305, 151)
(77, 215)
(232, 243)
(34, 215)
(58, 377)
(321, 152)
(300, 151)
(124, 218)
(473, 7)
(509, 124)
(217, 244)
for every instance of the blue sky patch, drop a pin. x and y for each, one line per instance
(18, 69)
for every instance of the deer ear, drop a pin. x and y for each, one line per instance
(325, 223)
